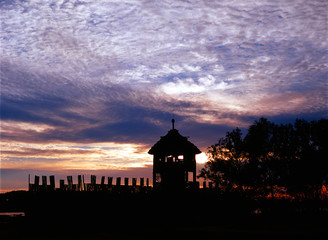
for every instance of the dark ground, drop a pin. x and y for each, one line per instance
(158, 215)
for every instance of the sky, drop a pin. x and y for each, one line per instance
(89, 86)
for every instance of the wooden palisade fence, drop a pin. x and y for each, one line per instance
(108, 185)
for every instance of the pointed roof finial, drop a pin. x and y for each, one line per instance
(173, 123)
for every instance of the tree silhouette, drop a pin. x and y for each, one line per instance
(311, 164)
(227, 157)
(290, 156)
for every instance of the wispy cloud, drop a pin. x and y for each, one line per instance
(116, 72)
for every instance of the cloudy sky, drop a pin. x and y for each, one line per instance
(92, 85)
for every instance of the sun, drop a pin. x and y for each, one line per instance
(201, 158)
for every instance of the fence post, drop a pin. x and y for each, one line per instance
(204, 184)
(36, 180)
(210, 184)
(79, 183)
(126, 182)
(93, 185)
(142, 182)
(44, 183)
(62, 184)
(147, 182)
(93, 180)
(29, 184)
(52, 183)
(118, 181)
(102, 183)
(134, 182)
(70, 183)
(110, 181)
(102, 180)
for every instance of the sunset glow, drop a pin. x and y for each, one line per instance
(103, 156)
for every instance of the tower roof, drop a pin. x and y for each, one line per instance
(173, 143)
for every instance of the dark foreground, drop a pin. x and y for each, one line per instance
(158, 215)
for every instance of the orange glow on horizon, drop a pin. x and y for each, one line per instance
(65, 156)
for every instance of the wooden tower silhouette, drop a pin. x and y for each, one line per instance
(174, 159)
